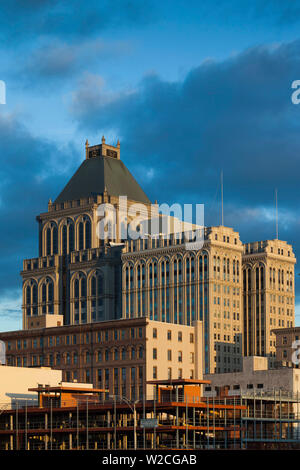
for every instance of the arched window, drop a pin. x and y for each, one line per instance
(141, 299)
(79, 301)
(67, 236)
(88, 234)
(51, 239)
(48, 241)
(71, 237)
(178, 289)
(164, 300)
(31, 298)
(28, 295)
(65, 240)
(97, 291)
(80, 236)
(84, 233)
(47, 290)
(55, 240)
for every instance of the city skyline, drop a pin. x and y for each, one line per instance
(189, 90)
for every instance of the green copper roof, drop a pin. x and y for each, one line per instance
(95, 174)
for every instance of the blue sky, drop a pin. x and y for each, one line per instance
(189, 88)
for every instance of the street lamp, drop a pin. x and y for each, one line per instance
(131, 405)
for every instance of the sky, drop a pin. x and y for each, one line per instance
(190, 89)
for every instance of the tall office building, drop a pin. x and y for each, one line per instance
(77, 277)
(163, 280)
(268, 294)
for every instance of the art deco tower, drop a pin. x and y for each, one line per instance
(77, 276)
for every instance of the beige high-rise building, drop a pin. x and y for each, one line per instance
(77, 277)
(268, 294)
(168, 283)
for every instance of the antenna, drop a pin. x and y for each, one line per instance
(222, 211)
(276, 213)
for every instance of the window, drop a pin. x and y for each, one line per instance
(179, 356)
(191, 358)
(191, 337)
(249, 386)
(154, 353)
(169, 355)
(169, 373)
(179, 336)
(169, 335)
(154, 332)
(155, 372)
(260, 385)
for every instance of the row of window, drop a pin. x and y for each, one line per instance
(87, 338)
(217, 336)
(169, 355)
(66, 237)
(169, 335)
(69, 358)
(171, 375)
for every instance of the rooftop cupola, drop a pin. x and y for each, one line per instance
(102, 150)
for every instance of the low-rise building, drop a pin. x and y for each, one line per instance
(287, 346)
(118, 355)
(15, 382)
(256, 376)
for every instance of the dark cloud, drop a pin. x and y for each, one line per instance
(24, 20)
(28, 19)
(60, 61)
(234, 115)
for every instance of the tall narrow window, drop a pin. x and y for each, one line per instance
(48, 241)
(80, 235)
